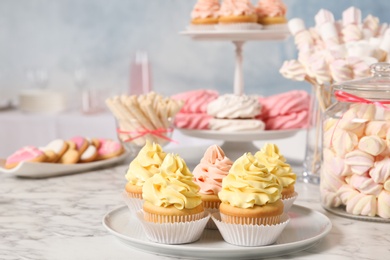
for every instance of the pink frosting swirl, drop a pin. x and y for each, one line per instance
(196, 101)
(237, 7)
(192, 120)
(205, 8)
(271, 8)
(213, 167)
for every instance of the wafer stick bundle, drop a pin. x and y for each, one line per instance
(143, 117)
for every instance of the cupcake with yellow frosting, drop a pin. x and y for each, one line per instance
(172, 210)
(251, 204)
(275, 162)
(209, 173)
(145, 165)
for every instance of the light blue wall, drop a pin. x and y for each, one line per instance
(103, 35)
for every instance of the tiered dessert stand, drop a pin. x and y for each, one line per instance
(237, 143)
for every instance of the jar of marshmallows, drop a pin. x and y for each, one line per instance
(355, 170)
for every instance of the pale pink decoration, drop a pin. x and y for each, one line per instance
(304, 40)
(381, 170)
(343, 141)
(79, 141)
(360, 162)
(205, 8)
(196, 101)
(329, 198)
(293, 69)
(352, 15)
(213, 167)
(289, 121)
(329, 34)
(364, 111)
(271, 8)
(341, 70)
(384, 204)
(362, 204)
(365, 184)
(26, 153)
(296, 25)
(323, 16)
(359, 67)
(334, 164)
(346, 192)
(305, 54)
(318, 69)
(236, 7)
(351, 33)
(317, 40)
(378, 128)
(330, 181)
(386, 185)
(372, 144)
(371, 23)
(351, 122)
(109, 146)
(335, 53)
(192, 120)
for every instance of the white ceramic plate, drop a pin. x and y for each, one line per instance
(44, 170)
(340, 211)
(306, 228)
(238, 35)
(244, 136)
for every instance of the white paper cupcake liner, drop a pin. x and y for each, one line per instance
(210, 224)
(289, 202)
(134, 204)
(173, 233)
(201, 27)
(238, 26)
(250, 235)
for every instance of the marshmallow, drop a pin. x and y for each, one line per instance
(372, 144)
(346, 192)
(323, 16)
(330, 181)
(329, 198)
(386, 185)
(365, 184)
(378, 128)
(334, 164)
(362, 204)
(352, 15)
(381, 170)
(384, 204)
(293, 69)
(296, 25)
(360, 162)
(343, 141)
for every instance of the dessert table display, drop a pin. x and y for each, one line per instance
(64, 217)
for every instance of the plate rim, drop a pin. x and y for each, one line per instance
(291, 247)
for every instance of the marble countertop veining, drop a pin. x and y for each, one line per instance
(60, 218)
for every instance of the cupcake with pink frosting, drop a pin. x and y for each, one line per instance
(271, 13)
(205, 14)
(213, 167)
(237, 14)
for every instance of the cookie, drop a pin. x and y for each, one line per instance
(52, 157)
(109, 149)
(25, 154)
(89, 155)
(81, 143)
(58, 146)
(71, 156)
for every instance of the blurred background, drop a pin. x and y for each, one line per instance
(73, 44)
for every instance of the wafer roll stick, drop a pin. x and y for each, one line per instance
(163, 114)
(147, 107)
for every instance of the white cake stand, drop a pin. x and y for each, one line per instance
(237, 143)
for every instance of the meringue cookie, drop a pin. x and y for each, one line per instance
(372, 144)
(384, 204)
(236, 125)
(234, 106)
(360, 162)
(365, 184)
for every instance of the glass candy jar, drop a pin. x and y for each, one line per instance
(355, 169)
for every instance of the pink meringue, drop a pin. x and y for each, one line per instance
(196, 101)
(192, 120)
(290, 121)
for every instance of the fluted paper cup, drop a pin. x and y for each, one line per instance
(174, 232)
(134, 204)
(289, 202)
(250, 235)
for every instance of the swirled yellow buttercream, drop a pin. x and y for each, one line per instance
(270, 157)
(173, 185)
(145, 164)
(249, 183)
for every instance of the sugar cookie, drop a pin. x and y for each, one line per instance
(25, 154)
(81, 143)
(109, 149)
(51, 155)
(71, 156)
(89, 155)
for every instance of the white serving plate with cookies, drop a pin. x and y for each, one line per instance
(306, 228)
(44, 170)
